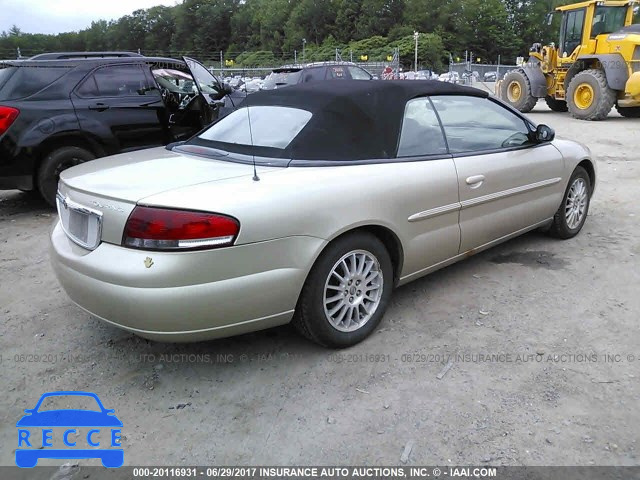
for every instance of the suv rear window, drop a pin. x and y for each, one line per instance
(282, 79)
(20, 82)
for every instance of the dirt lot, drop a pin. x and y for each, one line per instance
(553, 309)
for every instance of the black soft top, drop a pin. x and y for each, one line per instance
(352, 119)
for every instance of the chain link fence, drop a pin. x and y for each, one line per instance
(482, 70)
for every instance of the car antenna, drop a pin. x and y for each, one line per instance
(253, 155)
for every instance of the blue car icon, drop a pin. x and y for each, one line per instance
(103, 419)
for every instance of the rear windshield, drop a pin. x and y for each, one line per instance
(235, 130)
(20, 82)
(282, 79)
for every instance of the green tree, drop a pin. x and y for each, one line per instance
(378, 16)
(312, 20)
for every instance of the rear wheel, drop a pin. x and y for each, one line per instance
(589, 96)
(629, 112)
(346, 292)
(516, 90)
(53, 164)
(556, 105)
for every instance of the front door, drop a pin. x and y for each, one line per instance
(506, 181)
(210, 90)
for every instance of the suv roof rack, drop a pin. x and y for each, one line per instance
(72, 55)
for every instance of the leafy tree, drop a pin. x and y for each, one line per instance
(378, 16)
(205, 27)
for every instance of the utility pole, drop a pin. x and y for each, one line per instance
(304, 42)
(416, 35)
(221, 62)
(295, 57)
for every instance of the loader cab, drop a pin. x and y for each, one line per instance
(582, 23)
(571, 31)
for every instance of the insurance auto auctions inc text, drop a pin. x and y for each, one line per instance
(373, 472)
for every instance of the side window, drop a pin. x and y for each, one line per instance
(358, 73)
(338, 72)
(474, 124)
(115, 81)
(313, 74)
(421, 133)
(573, 34)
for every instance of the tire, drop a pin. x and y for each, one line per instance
(589, 96)
(556, 105)
(561, 227)
(53, 164)
(327, 324)
(516, 91)
(629, 112)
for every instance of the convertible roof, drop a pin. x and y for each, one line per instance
(352, 119)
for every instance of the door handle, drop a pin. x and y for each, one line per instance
(475, 181)
(100, 107)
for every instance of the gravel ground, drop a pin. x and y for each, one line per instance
(558, 317)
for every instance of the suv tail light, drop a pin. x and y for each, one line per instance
(165, 229)
(7, 117)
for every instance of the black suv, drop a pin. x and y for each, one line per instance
(57, 112)
(314, 72)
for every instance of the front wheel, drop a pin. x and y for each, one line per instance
(571, 215)
(346, 292)
(589, 96)
(53, 164)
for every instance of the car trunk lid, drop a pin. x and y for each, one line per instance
(96, 198)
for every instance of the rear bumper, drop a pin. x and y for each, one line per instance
(187, 296)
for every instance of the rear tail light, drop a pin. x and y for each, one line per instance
(164, 229)
(7, 117)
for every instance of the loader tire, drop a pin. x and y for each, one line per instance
(516, 91)
(589, 96)
(556, 105)
(629, 112)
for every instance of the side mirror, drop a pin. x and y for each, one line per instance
(549, 19)
(544, 134)
(227, 89)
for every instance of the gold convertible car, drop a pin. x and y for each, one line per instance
(309, 204)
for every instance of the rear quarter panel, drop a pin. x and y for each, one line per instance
(325, 202)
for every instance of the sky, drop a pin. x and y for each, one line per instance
(55, 16)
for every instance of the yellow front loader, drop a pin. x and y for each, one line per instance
(594, 67)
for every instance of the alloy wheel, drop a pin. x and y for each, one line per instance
(576, 205)
(353, 290)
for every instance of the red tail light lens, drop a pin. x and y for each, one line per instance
(164, 229)
(7, 117)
